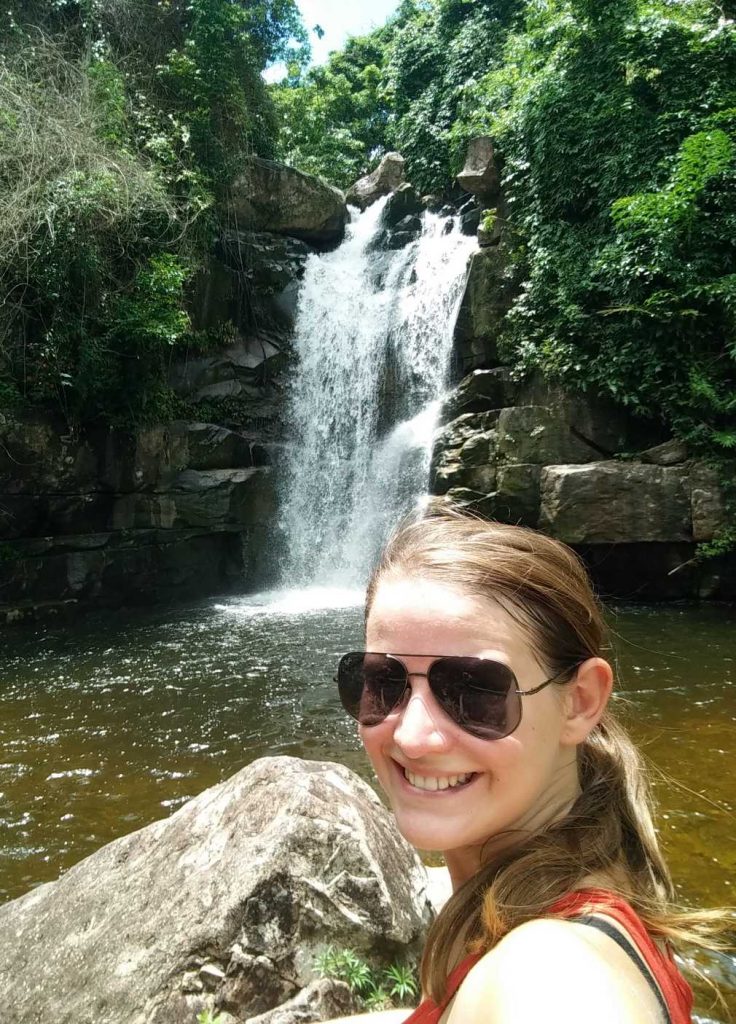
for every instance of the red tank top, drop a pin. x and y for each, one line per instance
(676, 994)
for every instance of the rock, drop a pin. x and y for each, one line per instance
(464, 455)
(541, 436)
(473, 501)
(671, 453)
(386, 178)
(322, 1000)
(215, 499)
(470, 220)
(38, 455)
(126, 567)
(270, 262)
(480, 391)
(404, 202)
(253, 878)
(708, 505)
(210, 446)
(480, 174)
(488, 296)
(434, 203)
(250, 361)
(517, 496)
(272, 197)
(395, 240)
(615, 502)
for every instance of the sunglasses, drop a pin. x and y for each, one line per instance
(480, 695)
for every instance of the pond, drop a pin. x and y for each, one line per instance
(112, 723)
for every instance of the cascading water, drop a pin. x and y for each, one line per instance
(373, 342)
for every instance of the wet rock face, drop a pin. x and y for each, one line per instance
(223, 906)
(172, 511)
(533, 455)
(489, 292)
(387, 177)
(272, 197)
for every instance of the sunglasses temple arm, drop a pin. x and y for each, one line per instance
(547, 682)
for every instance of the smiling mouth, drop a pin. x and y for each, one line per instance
(437, 783)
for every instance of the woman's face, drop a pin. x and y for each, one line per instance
(522, 781)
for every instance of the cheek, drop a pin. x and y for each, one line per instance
(373, 741)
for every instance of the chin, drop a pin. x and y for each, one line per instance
(424, 835)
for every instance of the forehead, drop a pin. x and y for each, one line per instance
(421, 616)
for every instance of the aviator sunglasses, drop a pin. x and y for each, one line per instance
(480, 695)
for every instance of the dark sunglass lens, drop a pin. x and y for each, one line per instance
(370, 686)
(478, 694)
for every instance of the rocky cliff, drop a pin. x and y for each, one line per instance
(185, 508)
(189, 507)
(632, 500)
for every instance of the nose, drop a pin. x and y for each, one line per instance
(419, 730)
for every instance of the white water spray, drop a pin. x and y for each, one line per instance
(373, 342)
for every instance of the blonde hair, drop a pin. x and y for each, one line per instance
(610, 829)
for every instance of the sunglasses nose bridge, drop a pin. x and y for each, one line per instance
(418, 729)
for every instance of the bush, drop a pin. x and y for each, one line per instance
(121, 121)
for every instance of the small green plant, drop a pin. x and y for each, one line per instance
(375, 989)
(488, 221)
(207, 1017)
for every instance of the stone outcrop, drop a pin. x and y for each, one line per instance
(616, 503)
(480, 174)
(172, 511)
(534, 455)
(489, 293)
(387, 177)
(403, 202)
(221, 907)
(272, 197)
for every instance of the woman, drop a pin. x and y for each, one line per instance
(483, 707)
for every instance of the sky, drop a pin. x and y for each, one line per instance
(339, 19)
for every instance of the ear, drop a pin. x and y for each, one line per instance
(586, 695)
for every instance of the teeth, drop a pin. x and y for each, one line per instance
(433, 783)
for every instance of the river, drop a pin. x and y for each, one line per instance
(113, 723)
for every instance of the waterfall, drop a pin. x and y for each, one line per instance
(373, 344)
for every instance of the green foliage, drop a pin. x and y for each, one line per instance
(120, 124)
(333, 120)
(398, 88)
(615, 126)
(488, 220)
(376, 990)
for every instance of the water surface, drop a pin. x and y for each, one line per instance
(110, 724)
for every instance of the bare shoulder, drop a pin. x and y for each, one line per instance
(551, 970)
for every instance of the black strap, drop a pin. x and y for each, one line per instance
(631, 951)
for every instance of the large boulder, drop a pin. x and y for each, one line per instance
(480, 174)
(221, 907)
(269, 196)
(404, 202)
(532, 434)
(387, 177)
(616, 503)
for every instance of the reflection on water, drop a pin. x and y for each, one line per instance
(111, 724)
